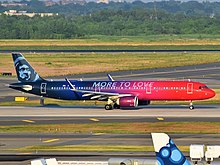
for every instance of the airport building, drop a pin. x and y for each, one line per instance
(49, 3)
(66, 2)
(63, 2)
(25, 13)
(103, 1)
(12, 4)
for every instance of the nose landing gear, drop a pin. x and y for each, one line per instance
(191, 107)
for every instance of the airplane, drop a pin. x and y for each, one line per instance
(166, 150)
(167, 153)
(118, 94)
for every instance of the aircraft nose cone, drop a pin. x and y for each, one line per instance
(211, 93)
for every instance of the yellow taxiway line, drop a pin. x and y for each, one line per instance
(94, 119)
(160, 118)
(50, 140)
(28, 121)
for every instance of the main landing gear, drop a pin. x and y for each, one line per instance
(112, 104)
(108, 107)
(191, 107)
(116, 106)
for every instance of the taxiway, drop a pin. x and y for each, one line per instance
(155, 111)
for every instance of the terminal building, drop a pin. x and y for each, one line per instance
(103, 1)
(63, 2)
(25, 13)
(12, 4)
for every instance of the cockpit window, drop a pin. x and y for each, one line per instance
(203, 87)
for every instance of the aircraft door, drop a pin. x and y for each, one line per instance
(97, 88)
(189, 88)
(43, 88)
(148, 89)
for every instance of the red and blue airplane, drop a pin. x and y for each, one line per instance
(117, 94)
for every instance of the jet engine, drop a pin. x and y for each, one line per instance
(128, 101)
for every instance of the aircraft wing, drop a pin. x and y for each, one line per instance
(96, 94)
(110, 77)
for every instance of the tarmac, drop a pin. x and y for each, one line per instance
(155, 111)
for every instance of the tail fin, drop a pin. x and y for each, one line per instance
(25, 72)
(166, 151)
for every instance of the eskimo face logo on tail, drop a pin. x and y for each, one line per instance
(24, 72)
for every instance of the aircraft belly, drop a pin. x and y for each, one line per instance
(64, 95)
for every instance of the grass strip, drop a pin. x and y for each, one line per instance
(114, 47)
(102, 42)
(199, 39)
(47, 64)
(92, 148)
(119, 128)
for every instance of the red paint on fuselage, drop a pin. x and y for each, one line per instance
(157, 90)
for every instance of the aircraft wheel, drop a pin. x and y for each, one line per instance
(116, 106)
(108, 107)
(191, 107)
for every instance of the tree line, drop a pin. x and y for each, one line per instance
(107, 22)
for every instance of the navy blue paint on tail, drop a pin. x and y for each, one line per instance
(25, 72)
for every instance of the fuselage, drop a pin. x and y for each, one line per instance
(144, 90)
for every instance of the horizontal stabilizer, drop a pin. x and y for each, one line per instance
(20, 86)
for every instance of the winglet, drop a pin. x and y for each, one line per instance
(72, 86)
(110, 77)
(166, 150)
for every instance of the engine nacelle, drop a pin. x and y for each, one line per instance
(128, 101)
(143, 102)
